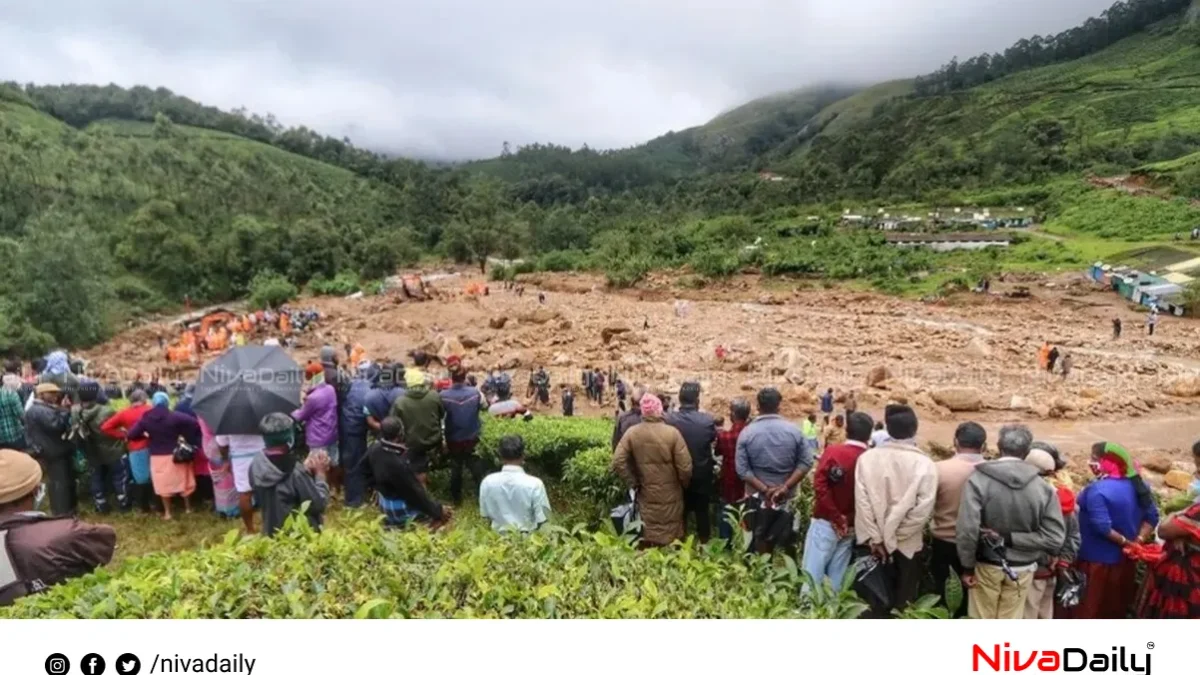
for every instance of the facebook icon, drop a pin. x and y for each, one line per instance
(92, 664)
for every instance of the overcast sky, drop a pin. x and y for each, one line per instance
(453, 79)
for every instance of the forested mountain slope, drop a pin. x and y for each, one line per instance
(142, 215)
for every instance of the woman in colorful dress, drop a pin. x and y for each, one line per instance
(225, 494)
(1172, 588)
(1115, 510)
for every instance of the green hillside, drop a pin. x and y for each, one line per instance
(127, 216)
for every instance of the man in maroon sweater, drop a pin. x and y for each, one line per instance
(830, 540)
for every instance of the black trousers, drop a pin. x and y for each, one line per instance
(458, 462)
(699, 504)
(943, 561)
(905, 574)
(60, 486)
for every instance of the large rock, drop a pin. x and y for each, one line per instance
(1178, 479)
(1018, 402)
(470, 342)
(512, 361)
(1186, 386)
(938, 450)
(607, 333)
(497, 322)
(1158, 462)
(979, 347)
(959, 399)
(540, 316)
(787, 359)
(878, 374)
(1091, 393)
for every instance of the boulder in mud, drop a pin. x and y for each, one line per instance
(1158, 462)
(1178, 479)
(1091, 393)
(540, 316)
(1184, 386)
(787, 359)
(497, 322)
(938, 450)
(471, 342)
(1018, 402)
(565, 325)
(959, 399)
(878, 374)
(607, 333)
(979, 347)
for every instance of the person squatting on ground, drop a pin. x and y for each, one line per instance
(282, 485)
(510, 498)
(699, 432)
(1008, 521)
(829, 543)
(400, 494)
(653, 459)
(38, 551)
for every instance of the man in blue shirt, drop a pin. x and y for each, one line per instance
(827, 404)
(510, 498)
(772, 458)
(463, 405)
(388, 388)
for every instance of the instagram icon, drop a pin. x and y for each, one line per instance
(57, 664)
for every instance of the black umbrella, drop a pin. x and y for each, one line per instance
(243, 385)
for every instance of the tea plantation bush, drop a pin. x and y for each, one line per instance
(549, 441)
(359, 570)
(589, 475)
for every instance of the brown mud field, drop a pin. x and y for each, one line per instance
(967, 357)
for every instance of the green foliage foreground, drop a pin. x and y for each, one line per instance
(360, 570)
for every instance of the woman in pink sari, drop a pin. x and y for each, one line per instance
(225, 495)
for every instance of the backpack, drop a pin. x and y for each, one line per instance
(12, 586)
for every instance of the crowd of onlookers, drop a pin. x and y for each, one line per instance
(1023, 541)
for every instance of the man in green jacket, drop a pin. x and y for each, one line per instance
(104, 453)
(421, 411)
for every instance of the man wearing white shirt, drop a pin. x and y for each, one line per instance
(511, 498)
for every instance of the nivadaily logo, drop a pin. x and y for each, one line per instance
(1004, 659)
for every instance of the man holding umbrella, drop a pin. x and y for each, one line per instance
(233, 394)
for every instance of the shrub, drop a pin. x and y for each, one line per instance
(344, 283)
(134, 293)
(502, 273)
(270, 289)
(562, 261)
(716, 262)
(360, 570)
(589, 474)
(549, 441)
(525, 267)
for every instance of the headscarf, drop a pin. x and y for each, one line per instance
(651, 406)
(57, 363)
(414, 377)
(1116, 462)
(161, 400)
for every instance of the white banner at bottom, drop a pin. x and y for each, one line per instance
(536, 647)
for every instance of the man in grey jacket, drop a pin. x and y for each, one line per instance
(1022, 524)
(281, 484)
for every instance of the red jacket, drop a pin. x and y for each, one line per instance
(732, 487)
(119, 425)
(833, 500)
